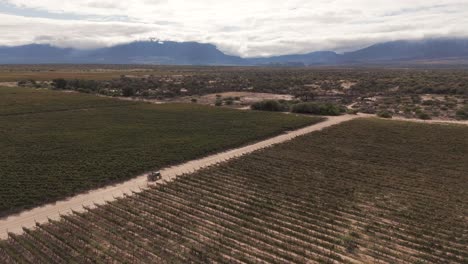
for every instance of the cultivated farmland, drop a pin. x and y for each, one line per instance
(56, 144)
(365, 191)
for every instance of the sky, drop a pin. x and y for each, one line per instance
(247, 28)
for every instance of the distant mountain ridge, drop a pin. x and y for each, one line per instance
(410, 50)
(313, 58)
(193, 53)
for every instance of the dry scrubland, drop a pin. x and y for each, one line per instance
(56, 144)
(400, 92)
(365, 191)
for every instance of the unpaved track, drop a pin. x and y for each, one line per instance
(28, 218)
(432, 121)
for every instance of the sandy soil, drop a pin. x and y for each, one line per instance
(15, 223)
(136, 99)
(432, 121)
(246, 98)
(347, 84)
(8, 84)
(425, 97)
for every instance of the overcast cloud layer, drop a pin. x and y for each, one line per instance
(241, 27)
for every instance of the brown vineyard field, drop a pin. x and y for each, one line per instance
(365, 191)
(56, 144)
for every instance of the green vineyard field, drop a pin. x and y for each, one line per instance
(56, 144)
(366, 191)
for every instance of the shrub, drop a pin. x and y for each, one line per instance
(218, 102)
(428, 102)
(384, 114)
(128, 91)
(367, 110)
(424, 116)
(194, 100)
(318, 109)
(29, 83)
(350, 243)
(59, 83)
(462, 113)
(229, 101)
(416, 99)
(84, 90)
(269, 105)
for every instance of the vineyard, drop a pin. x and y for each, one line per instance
(56, 144)
(366, 191)
(20, 101)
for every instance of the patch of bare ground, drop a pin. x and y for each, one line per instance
(137, 99)
(346, 85)
(240, 98)
(8, 84)
(432, 121)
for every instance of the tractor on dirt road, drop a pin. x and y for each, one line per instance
(154, 176)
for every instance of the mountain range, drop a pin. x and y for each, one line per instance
(192, 53)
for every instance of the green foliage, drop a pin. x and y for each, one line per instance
(423, 115)
(229, 100)
(429, 102)
(384, 114)
(349, 243)
(56, 144)
(462, 113)
(416, 99)
(29, 83)
(270, 105)
(60, 84)
(329, 109)
(18, 101)
(128, 91)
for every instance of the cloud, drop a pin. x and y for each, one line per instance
(242, 27)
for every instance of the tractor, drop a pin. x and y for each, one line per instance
(154, 176)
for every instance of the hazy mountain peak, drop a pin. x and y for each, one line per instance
(194, 53)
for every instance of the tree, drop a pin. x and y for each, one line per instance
(269, 105)
(384, 114)
(59, 83)
(128, 91)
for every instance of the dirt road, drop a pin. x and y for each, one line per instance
(432, 121)
(15, 223)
